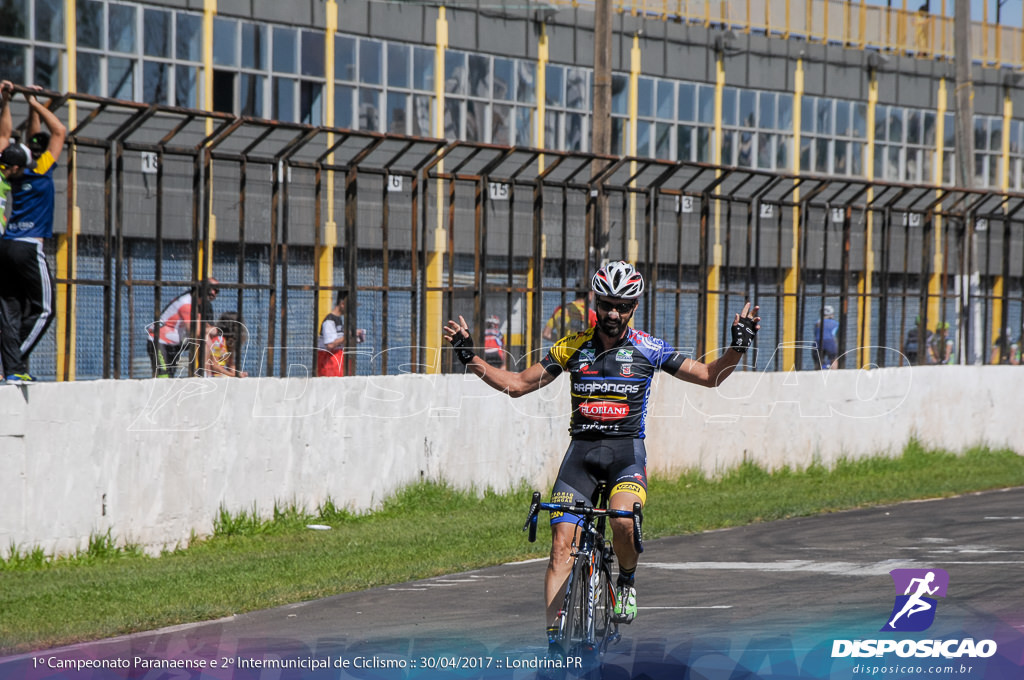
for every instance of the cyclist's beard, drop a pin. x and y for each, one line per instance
(611, 327)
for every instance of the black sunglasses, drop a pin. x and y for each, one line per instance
(621, 308)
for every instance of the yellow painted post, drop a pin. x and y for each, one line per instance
(790, 284)
(632, 245)
(435, 254)
(206, 247)
(325, 252)
(862, 25)
(866, 283)
(715, 269)
(998, 285)
(67, 243)
(938, 267)
(543, 54)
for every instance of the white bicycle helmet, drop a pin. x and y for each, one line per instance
(618, 279)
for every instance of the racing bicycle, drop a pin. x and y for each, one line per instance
(585, 626)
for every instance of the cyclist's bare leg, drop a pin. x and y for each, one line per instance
(622, 530)
(559, 566)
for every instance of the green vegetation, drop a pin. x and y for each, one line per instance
(426, 530)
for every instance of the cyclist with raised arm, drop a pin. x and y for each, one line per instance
(611, 366)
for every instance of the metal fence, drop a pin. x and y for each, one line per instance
(418, 230)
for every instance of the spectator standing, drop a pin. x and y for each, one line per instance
(1005, 350)
(826, 338)
(223, 342)
(942, 344)
(574, 317)
(912, 345)
(166, 345)
(26, 284)
(330, 360)
(494, 343)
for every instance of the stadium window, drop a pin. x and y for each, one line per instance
(121, 27)
(283, 108)
(155, 88)
(254, 46)
(186, 86)
(311, 104)
(398, 65)
(370, 62)
(120, 78)
(15, 19)
(250, 95)
(285, 45)
(225, 41)
(224, 91)
(90, 73)
(423, 68)
(397, 119)
(344, 96)
(89, 24)
(188, 37)
(156, 31)
(312, 54)
(47, 68)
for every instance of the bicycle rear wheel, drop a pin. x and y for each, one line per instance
(605, 631)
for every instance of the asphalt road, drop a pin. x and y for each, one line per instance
(762, 601)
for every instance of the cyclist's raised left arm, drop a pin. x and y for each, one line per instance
(744, 328)
(515, 384)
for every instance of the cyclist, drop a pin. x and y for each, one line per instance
(611, 366)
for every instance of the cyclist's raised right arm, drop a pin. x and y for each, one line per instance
(515, 384)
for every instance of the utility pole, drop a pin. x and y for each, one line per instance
(970, 340)
(601, 132)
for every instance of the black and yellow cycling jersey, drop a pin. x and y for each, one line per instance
(610, 386)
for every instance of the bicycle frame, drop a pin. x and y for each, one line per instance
(590, 573)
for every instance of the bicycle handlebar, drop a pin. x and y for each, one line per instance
(585, 512)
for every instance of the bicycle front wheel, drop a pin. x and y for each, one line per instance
(574, 607)
(604, 629)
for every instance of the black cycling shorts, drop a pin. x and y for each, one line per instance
(619, 463)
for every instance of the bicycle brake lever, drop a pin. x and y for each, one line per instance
(531, 519)
(638, 538)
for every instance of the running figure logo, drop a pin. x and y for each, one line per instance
(916, 590)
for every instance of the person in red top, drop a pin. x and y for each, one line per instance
(172, 330)
(330, 357)
(494, 343)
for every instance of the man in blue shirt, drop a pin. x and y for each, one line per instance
(26, 284)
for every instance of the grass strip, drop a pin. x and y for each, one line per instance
(425, 530)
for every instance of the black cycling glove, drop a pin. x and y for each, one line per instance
(463, 347)
(743, 334)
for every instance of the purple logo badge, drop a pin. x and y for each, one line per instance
(916, 590)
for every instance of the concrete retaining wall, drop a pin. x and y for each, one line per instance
(154, 460)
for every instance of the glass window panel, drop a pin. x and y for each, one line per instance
(839, 161)
(645, 97)
(666, 95)
(765, 144)
(554, 94)
(12, 62)
(155, 77)
(285, 46)
(225, 42)
(979, 169)
(186, 82)
(620, 94)
(396, 113)
(120, 78)
(684, 143)
(948, 167)
(843, 122)
(896, 124)
(929, 129)
(121, 27)
(14, 19)
(857, 159)
(748, 109)
(49, 21)
(783, 151)
(48, 69)
(995, 135)
(821, 149)
(250, 95)
(643, 138)
(703, 145)
(980, 134)
(687, 101)
(807, 107)
(345, 58)
(283, 100)
(823, 123)
(766, 111)
(254, 46)
(880, 162)
(423, 121)
(344, 96)
(995, 172)
(479, 76)
(729, 106)
(156, 27)
(574, 138)
(706, 104)
(311, 103)
(423, 68)
(663, 140)
(881, 130)
(89, 23)
(452, 119)
(526, 82)
(728, 144)
(949, 131)
(189, 39)
(504, 79)
(892, 165)
(576, 80)
(525, 134)
(398, 65)
(312, 54)
(551, 119)
(501, 129)
(1015, 132)
(860, 120)
(619, 136)
(476, 121)
(224, 91)
(90, 73)
(785, 121)
(455, 73)
(369, 109)
(745, 152)
(806, 144)
(914, 132)
(913, 164)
